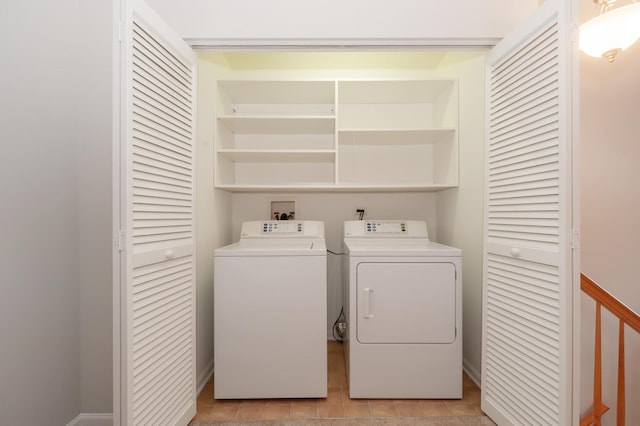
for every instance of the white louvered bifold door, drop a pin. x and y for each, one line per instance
(158, 297)
(528, 276)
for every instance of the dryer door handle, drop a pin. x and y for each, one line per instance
(368, 303)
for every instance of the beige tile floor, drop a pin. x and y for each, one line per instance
(337, 404)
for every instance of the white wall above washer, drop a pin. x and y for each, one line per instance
(331, 22)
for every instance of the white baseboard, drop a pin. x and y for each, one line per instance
(204, 377)
(92, 419)
(472, 372)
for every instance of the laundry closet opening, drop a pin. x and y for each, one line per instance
(398, 134)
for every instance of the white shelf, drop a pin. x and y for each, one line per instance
(393, 91)
(278, 156)
(344, 136)
(324, 187)
(309, 187)
(393, 136)
(274, 124)
(277, 92)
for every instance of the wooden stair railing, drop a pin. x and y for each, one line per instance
(625, 316)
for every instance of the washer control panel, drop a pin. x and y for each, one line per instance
(282, 229)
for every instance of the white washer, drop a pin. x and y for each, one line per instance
(270, 312)
(403, 304)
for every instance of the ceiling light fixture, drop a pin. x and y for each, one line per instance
(612, 30)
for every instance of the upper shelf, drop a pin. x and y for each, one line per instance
(275, 125)
(393, 137)
(393, 91)
(278, 92)
(320, 187)
(338, 135)
(280, 156)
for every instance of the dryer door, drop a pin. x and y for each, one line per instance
(403, 302)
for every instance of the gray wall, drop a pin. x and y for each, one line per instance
(95, 139)
(39, 286)
(55, 187)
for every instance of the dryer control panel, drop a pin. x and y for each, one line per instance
(386, 228)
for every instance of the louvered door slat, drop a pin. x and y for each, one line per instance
(532, 83)
(169, 106)
(160, 336)
(156, 160)
(517, 165)
(162, 57)
(537, 172)
(523, 413)
(549, 131)
(148, 171)
(534, 145)
(539, 202)
(541, 98)
(525, 344)
(155, 137)
(538, 124)
(157, 189)
(151, 144)
(513, 68)
(163, 194)
(540, 178)
(161, 114)
(535, 383)
(165, 199)
(176, 189)
(153, 153)
(146, 119)
(155, 215)
(530, 90)
(152, 58)
(540, 335)
(517, 184)
(150, 186)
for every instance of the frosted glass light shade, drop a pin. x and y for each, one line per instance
(613, 31)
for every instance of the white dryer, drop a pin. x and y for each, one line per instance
(270, 312)
(403, 303)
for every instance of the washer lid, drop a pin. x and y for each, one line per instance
(398, 247)
(275, 247)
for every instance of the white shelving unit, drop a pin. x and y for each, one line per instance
(336, 135)
(397, 134)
